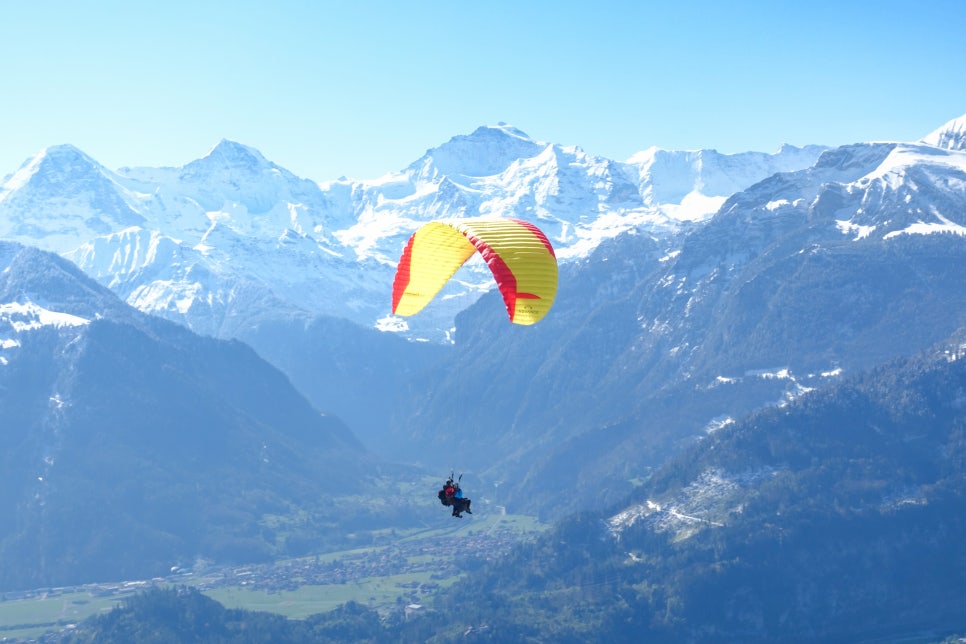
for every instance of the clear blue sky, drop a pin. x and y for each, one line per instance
(360, 88)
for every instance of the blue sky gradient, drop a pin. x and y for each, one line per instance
(361, 88)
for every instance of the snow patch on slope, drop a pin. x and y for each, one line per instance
(707, 502)
(22, 317)
(944, 225)
(28, 316)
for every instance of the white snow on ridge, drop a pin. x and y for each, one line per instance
(906, 155)
(22, 176)
(17, 317)
(718, 423)
(779, 373)
(789, 384)
(929, 228)
(951, 135)
(29, 316)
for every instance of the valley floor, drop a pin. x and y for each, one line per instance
(404, 573)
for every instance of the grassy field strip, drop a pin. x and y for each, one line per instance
(375, 592)
(23, 618)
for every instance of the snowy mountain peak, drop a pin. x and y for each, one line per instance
(951, 136)
(501, 129)
(64, 154)
(234, 173)
(228, 158)
(489, 150)
(231, 154)
(52, 164)
(89, 198)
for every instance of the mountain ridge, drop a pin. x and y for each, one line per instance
(235, 203)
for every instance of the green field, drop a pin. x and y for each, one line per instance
(376, 592)
(30, 617)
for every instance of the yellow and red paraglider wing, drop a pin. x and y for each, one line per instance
(433, 254)
(522, 261)
(517, 253)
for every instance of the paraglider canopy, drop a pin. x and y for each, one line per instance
(518, 254)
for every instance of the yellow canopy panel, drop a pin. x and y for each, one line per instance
(518, 254)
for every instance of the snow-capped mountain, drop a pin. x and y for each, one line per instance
(232, 238)
(61, 196)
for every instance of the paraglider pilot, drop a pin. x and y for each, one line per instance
(452, 495)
